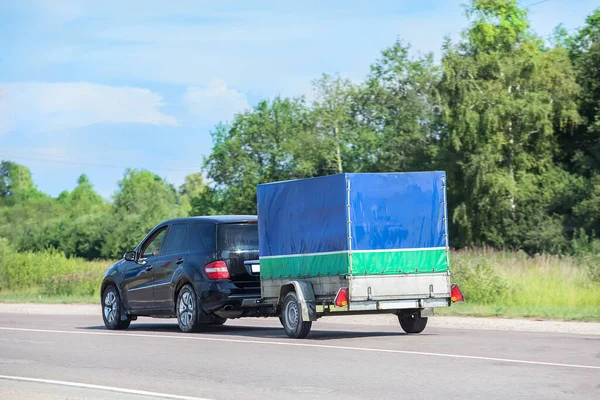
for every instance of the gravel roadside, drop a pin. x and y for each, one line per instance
(497, 324)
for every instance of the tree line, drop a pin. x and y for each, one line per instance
(513, 118)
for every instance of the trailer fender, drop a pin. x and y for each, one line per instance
(427, 312)
(306, 298)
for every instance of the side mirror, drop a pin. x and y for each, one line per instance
(129, 256)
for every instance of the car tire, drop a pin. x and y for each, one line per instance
(291, 317)
(412, 322)
(188, 310)
(112, 310)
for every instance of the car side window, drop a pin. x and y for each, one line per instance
(174, 241)
(152, 247)
(202, 237)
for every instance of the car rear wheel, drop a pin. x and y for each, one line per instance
(187, 310)
(291, 318)
(412, 322)
(112, 310)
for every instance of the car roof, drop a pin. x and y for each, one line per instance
(216, 219)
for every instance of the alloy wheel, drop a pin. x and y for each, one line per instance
(186, 308)
(111, 306)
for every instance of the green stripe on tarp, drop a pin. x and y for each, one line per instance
(304, 266)
(412, 261)
(399, 262)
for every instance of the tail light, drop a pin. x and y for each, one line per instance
(217, 270)
(455, 293)
(341, 299)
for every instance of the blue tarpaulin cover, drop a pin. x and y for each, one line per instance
(302, 216)
(386, 211)
(397, 210)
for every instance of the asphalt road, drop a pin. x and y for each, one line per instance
(73, 356)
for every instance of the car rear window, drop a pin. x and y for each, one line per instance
(201, 237)
(237, 237)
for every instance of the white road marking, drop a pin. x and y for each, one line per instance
(304, 344)
(100, 387)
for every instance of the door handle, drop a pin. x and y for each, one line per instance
(179, 261)
(149, 268)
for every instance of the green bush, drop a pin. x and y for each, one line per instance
(514, 284)
(50, 272)
(478, 280)
(587, 254)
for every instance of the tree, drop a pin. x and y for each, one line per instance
(16, 183)
(582, 146)
(83, 199)
(261, 145)
(332, 124)
(143, 199)
(25, 212)
(200, 197)
(145, 193)
(193, 186)
(505, 101)
(398, 112)
(82, 233)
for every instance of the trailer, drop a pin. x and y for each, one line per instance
(355, 244)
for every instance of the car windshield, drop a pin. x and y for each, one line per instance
(234, 237)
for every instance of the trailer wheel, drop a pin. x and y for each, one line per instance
(412, 322)
(291, 318)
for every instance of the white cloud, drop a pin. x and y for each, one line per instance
(50, 107)
(217, 102)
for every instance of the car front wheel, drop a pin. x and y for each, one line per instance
(112, 310)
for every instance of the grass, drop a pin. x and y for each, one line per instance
(48, 276)
(34, 296)
(589, 314)
(495, 283)
(512, 284)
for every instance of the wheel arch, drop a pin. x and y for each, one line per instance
(106, 283)
(285, 289)
(306, 298)
(181, 282)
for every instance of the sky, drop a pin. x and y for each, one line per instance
(95, 87)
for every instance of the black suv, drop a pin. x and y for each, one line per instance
(198, 269)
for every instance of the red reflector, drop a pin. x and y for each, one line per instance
(455, 293)
(341, 299)
(217, 270)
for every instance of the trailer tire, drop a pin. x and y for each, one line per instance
(412, 322)
(291, 318)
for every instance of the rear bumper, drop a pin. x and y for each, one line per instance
(426, 306)
(372, 288)
(398, 304)
(224, 298)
